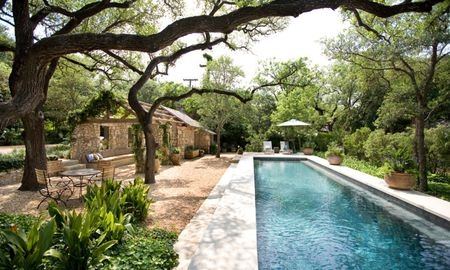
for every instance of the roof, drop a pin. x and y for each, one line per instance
(186, 119)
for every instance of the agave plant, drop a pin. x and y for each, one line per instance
(21, 250)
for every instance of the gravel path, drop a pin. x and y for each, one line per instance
(178, 193)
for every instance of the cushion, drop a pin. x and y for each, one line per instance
(90, 157)
(96, 157)
(99, 156)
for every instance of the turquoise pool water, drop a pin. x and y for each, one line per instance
(305, 220)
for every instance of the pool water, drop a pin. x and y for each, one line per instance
(306, 220)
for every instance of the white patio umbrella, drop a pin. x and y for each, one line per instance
(294, 123)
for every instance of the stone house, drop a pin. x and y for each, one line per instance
(112, 136)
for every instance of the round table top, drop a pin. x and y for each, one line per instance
(80, 172)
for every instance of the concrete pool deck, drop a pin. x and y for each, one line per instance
(223, 233)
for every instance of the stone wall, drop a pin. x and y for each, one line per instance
(86, 139)
(202, 140)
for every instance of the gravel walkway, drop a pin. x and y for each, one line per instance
(178, 193)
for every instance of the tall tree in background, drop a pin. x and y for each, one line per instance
(217, 110)
(407, 46)
(46, 31)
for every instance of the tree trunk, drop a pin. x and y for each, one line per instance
(420, 147)
(219, 149)
(150, 146)
(35, 156)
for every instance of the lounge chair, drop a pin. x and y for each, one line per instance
(284, 148)
(267, 147)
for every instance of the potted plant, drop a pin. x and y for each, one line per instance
(175, 156)
(158, 155)
(201, 152)
(276, 150)
(240, 150)
(190, 152)
(334, 154)
(399, 169)
(308, 147)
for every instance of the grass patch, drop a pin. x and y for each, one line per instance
(440, 190)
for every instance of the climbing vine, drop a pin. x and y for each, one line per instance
(138, 148)
(105, 101)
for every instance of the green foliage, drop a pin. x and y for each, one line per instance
(354, 143)
(52, 157)
(11, 135)
(145, 249)
(20, 250)
(189, 148)
(83, 242)
(60, 150)
(107, 201)
(136, 201)
(255, 143)
(381, 148)
(105, 101)
(175, 150)
(334, 150)
(363, 166)
(322, 140)
(437, 141)
(23, 222)
(440, 190)
(14, 160)
(213, 148)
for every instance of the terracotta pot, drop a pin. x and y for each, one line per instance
(175, 159)
(400, 180)
(334, 160)
(157, 165)
(308, 150)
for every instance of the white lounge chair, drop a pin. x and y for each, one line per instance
(284, 147)
(267, 147)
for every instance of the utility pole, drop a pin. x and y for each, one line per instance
(190, 81)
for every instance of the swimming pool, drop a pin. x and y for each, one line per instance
(307, 220)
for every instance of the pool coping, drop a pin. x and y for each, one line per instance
(229, 240)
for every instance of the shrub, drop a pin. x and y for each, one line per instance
(213, 149)
(175, 150)
(364, 166)
(20, 250)
(334, 150)
(145, 249)
(354, 143)
(322, 140)
(255, 143)
(437, 141)
(380, 148)
(136, 201)
(14, 160)
(60, 150)
(83, 243)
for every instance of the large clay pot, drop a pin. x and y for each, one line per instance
(175, 159)
(400, 180)
(308, 150)
(157, 165)
(334, 160)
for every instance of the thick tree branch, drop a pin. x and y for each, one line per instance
(221, 24)
(124, 62)
(367, 27)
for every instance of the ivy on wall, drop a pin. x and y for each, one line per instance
(105, 101)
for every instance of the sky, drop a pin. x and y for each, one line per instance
(300, 39)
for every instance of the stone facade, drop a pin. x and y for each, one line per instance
(86, 138)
